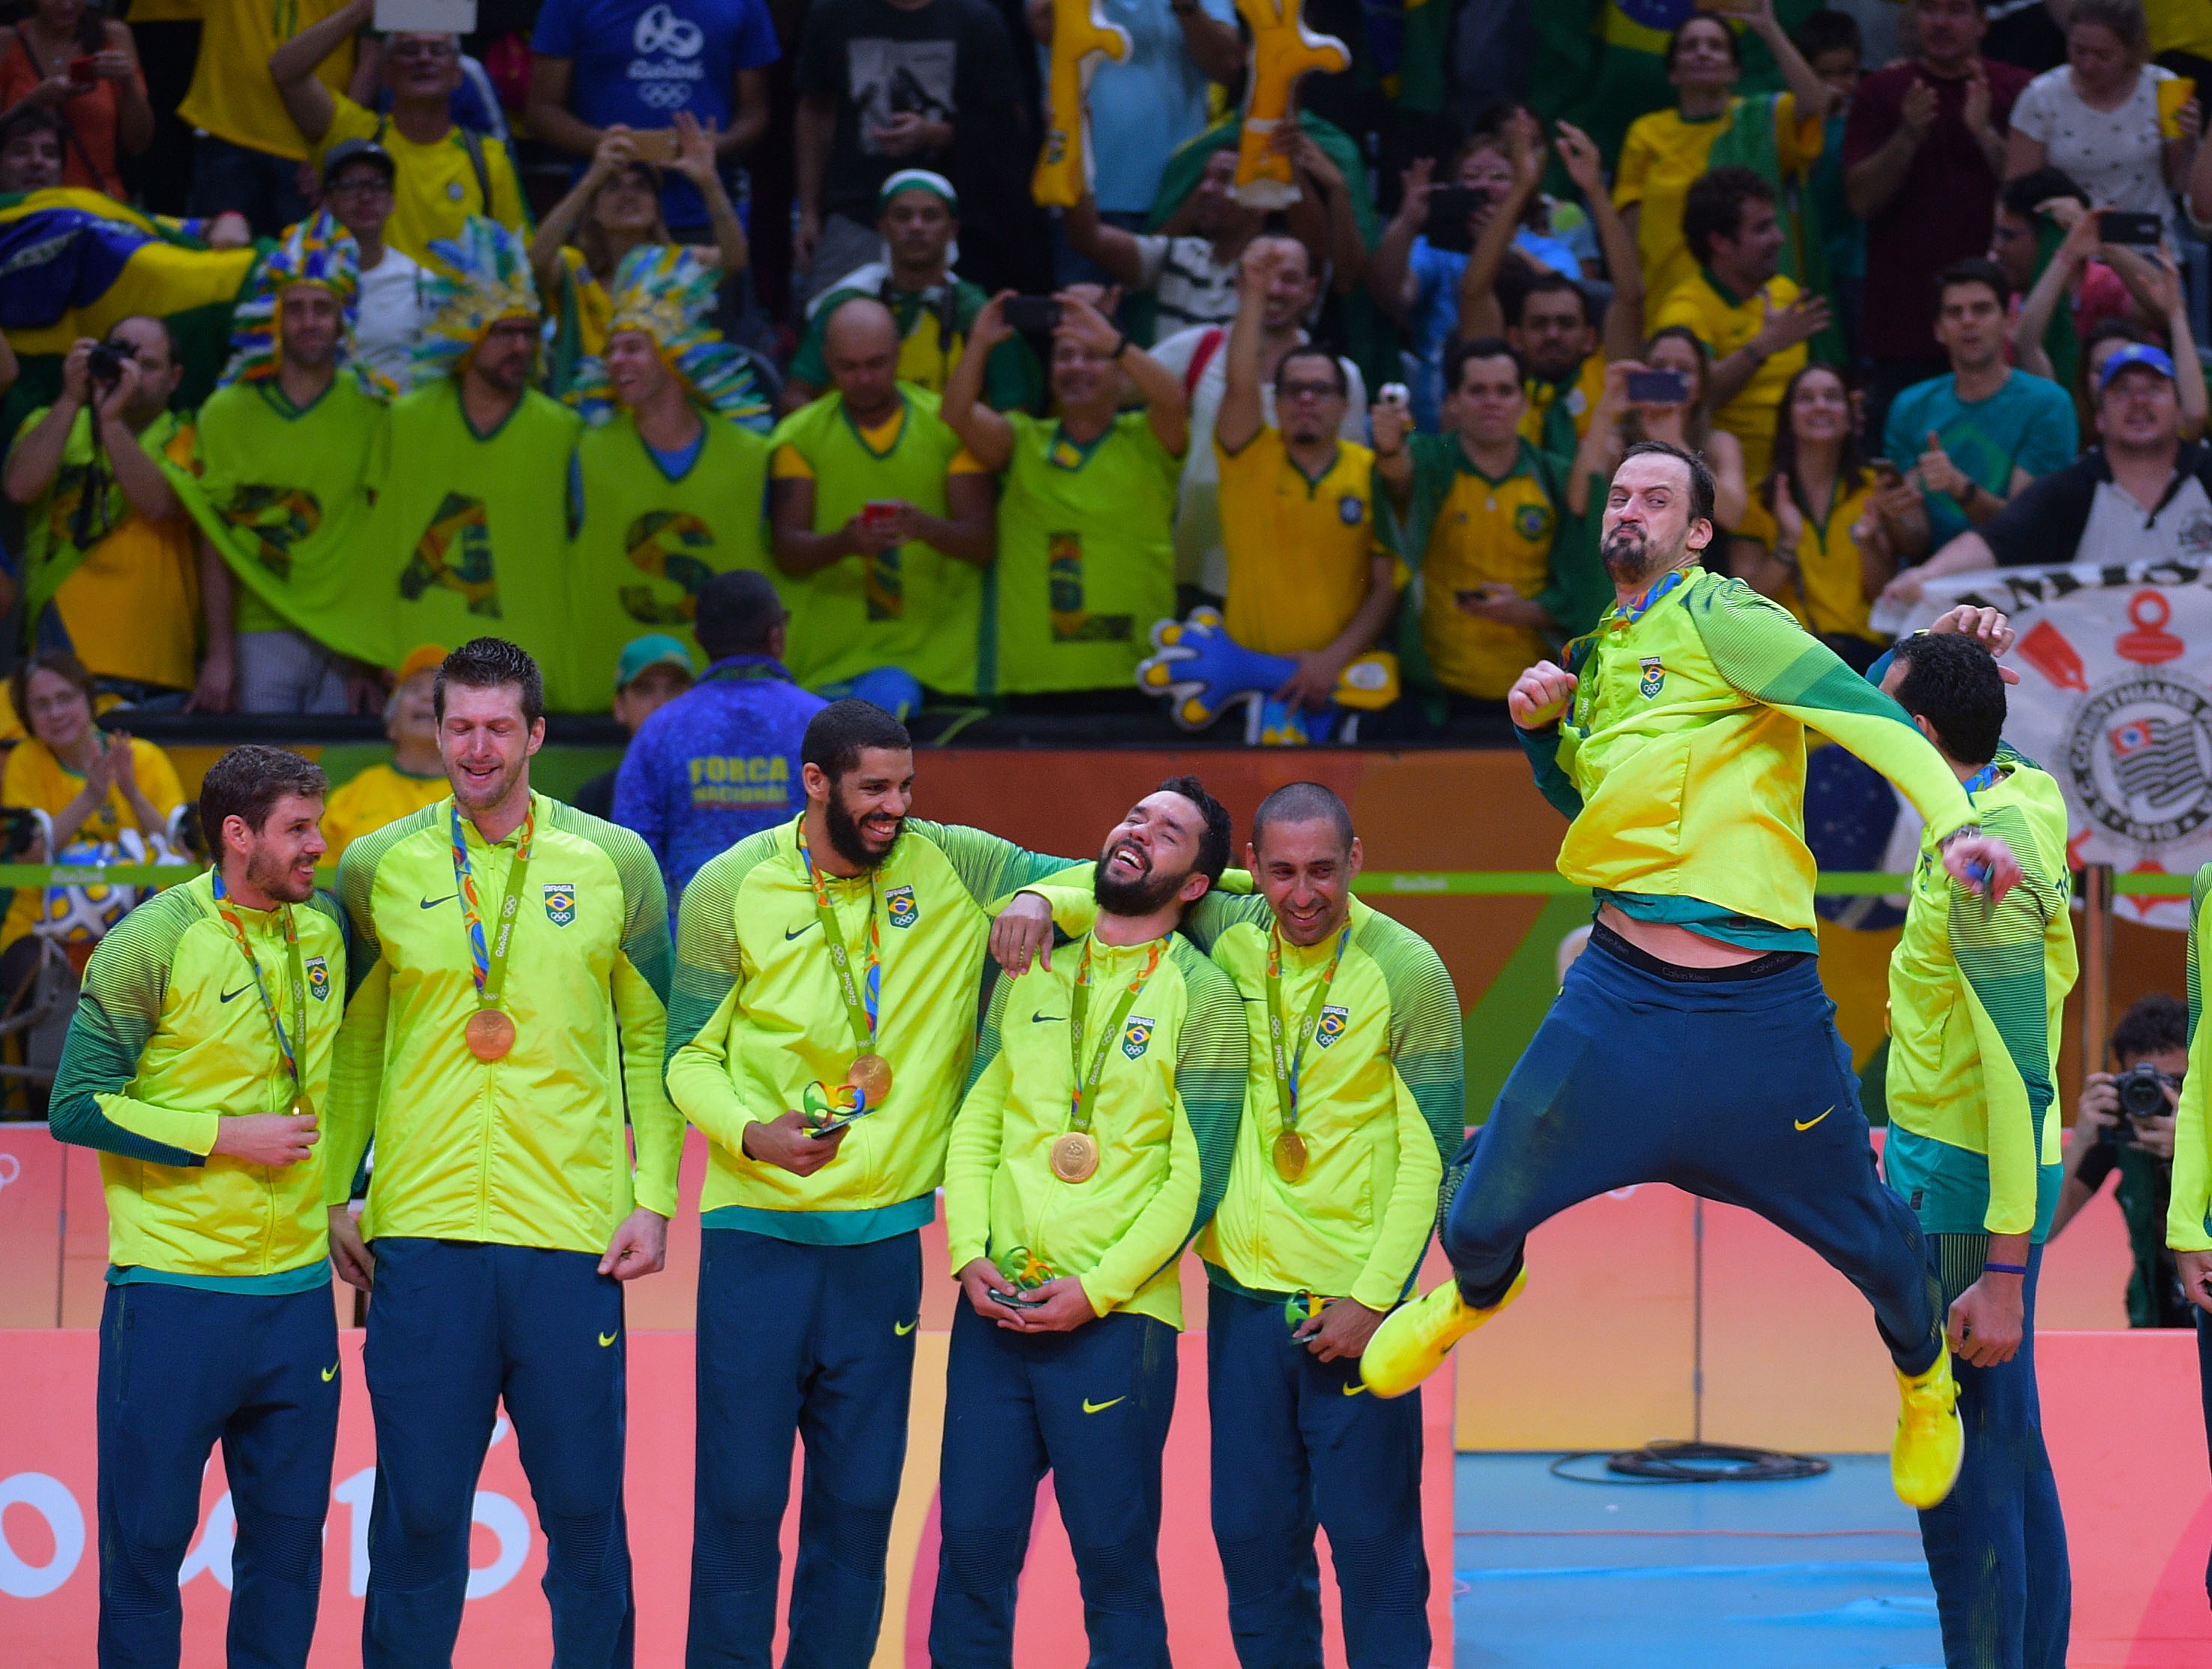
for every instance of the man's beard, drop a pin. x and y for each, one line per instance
(1140, 895)
(845, 836)
(1630, 559)
(469, 798)
(274, 879)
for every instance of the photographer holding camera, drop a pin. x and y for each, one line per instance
(2124, 1123)
(111, 571)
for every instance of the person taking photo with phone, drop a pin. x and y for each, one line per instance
(65, 56)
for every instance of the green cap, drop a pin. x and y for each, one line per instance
(654, 649)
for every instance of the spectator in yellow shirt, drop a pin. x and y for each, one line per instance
(247, 156)
(446, 172)
(1307, 576)
(1754, 321)
(415, 777)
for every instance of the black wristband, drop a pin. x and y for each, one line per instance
(1121, 348)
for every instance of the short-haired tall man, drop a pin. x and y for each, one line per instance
(1976, 436)
(1977, 1002)
(879, 524)
(918, 215)
(505, 1211)
(1347, 1125)
(1703, 950)
(841, 947)
(1753, 318)
(722, 761)
(1095, 1142)
(195, 1065)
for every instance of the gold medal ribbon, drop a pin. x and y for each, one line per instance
(284, 1044)
(488, 961)
(860, 994)
(1086, 1088)
(1281, 1056)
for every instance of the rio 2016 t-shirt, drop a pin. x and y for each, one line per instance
(639, 64)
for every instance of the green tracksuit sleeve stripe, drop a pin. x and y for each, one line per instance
(125, 984)
(992, 870)
(1206, 921)
(709, 956)
(1760, 650)
(972, 1153)
(2001, 957)
(1212, 1056)
(1426, 1044)
(2189, 1215)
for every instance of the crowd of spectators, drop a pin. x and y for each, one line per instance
(1163, 454)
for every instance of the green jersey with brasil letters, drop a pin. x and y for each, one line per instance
(171, 1035)
(2188, 1214)
(532, 1149)
(1681, 759)
(470, 534)
(757, 1015)
(1163, 1114)
(1977, 1002)
(279, 491)
(910, 606)
(645, 540)
(1086, 558)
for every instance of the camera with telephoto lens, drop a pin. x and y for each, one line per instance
(104, 364)
(2142, 1091)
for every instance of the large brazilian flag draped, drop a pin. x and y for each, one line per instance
(74, 261)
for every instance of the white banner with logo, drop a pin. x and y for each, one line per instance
(2115, 700)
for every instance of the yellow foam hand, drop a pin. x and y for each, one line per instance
(1284, 50)
(1079, 34)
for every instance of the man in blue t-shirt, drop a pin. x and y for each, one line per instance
(601, 64)
(721, 761)
(1972, 439)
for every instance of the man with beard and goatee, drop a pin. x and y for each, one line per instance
(511, 1007)
(194, 1065)
(826, 967)
(1095, 1141)
(1674, 739)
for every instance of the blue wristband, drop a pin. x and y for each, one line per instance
(2004, 1269)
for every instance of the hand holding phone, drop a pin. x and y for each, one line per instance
(83, 71)
(1451, 208)
(1036, 314)
(2127, 228)
(1660, 387)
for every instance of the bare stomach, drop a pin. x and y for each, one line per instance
(1677, 945)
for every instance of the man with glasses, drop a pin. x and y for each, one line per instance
(360, 185)
(443, 173)
(1308, 577)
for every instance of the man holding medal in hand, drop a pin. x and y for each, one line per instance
(819, 1034)
(1095, 1142)
(195, 1064)
(505, 1209)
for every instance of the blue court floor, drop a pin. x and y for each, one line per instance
(1822, 1573)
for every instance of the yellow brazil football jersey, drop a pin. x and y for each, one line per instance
(1681, 758)
(1381, 1106)
(1828, 595)
(1482, 531)
(756, 1016)
(170, 1036)
(1164, 1117)
(233, 95)
(531, 1150)
(1724, 321)
(438, 184)
(1977, 1008)
(379, 795)
(2189, 1216)
(1559, 413)
(1300, 552)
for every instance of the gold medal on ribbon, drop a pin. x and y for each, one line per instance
(1289, 1155)
(302, 1107)
(870, 1074)
(489, 1034)
(1075, 1156)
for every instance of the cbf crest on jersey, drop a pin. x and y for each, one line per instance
(318, 978)
(1655, 675)
(561, 903)
(1136, 1035)
(899, 906)
(1331, 1025)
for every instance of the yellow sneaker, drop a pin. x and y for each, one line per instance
(1930, 1444)
(1412, 1343)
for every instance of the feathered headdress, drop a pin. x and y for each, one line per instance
(477, 279)
(317, 251)
(668, 291)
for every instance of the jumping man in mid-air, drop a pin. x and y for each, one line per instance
(1694, 1044)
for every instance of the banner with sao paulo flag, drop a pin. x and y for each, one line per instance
(2115, 700)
